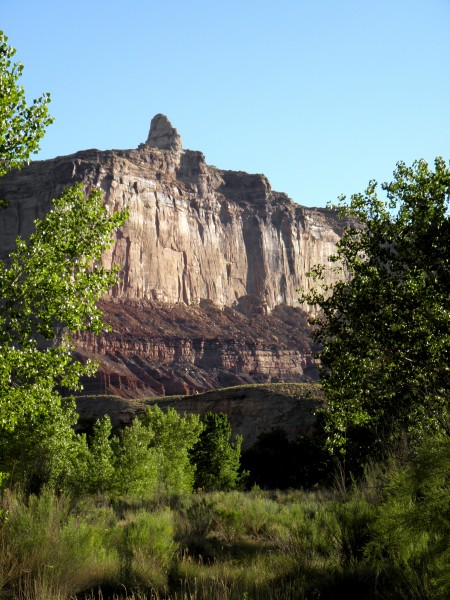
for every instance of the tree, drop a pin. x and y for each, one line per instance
(271, 460)
(217, 460)
(48, 291)
(411, 532)
(149, 457)
(276, 462)
(41, 447)
(49, 287)
(384, 327)
(173, 438)
(21, 126)
(136, 466)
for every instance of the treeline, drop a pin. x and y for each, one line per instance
(160, 453)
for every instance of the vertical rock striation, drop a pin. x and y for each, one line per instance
(211, 262)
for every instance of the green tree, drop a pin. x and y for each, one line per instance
(49, 287)
(174, 437)
(101, 459)
(48, 291)
(50, 284)
(384, 326)
(217, 460)
(21, 126)
(150, 456)
(136, 467)
(410, 536)
(41, 447)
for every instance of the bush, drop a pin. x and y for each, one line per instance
(147, 548)
(48, 548)
(412, 531)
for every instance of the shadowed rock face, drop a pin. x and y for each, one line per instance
(211, 262)
(251, 410)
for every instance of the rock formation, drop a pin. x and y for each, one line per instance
(211, 262)
(162, 135)
(251, 410)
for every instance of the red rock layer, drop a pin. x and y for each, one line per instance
(166, 349)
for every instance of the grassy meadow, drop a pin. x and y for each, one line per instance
(324, 543)
(124, 517)
(217, 545)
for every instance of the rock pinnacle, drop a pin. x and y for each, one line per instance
(162, 135)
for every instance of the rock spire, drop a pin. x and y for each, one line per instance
(162, 135)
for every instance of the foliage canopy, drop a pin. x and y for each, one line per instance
(21, 126)
(50, 284)
(216, 458)
(48, 290)
(150, 456)
(385, 327)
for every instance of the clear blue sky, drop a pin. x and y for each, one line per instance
(321, 96)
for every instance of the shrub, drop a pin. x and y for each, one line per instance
(412, 531)
(51, 550)
(147, 548)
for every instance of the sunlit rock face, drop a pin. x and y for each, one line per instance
(219, 249)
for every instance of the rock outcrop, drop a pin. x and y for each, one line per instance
(211, 262)
(251, 410)
(162, 135)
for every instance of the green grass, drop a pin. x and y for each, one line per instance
(294, 545)
(293, 390)
(296, 390)
(218, 545)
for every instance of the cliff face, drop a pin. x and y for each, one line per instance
(211, 261)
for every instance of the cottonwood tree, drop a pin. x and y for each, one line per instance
(21, 126)
(174, 437)
(48, 291)
(384, 327)
(148, 458)
(49, 285)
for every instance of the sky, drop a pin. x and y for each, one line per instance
(320, 96)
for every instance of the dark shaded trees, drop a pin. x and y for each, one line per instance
(384, 327)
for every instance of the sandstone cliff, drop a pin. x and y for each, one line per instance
(211, 261)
